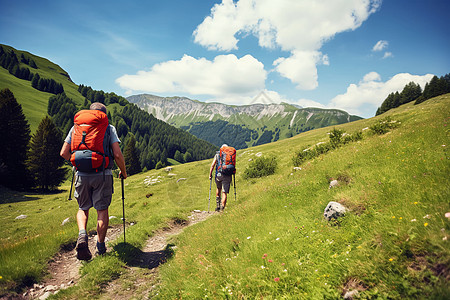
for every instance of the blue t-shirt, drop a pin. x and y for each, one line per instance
(114, 138)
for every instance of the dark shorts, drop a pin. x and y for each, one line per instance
(94, 191)
(223, 182)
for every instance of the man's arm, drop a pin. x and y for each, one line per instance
(212, 168)
(65, 151)
(119, 159)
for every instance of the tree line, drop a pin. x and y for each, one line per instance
(144, 138)
(28, 161)
(413, 92)
(221, 132)
(10, 61)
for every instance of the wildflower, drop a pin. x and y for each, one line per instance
(425, 224)
(1, 277)
(262, 267)
(264, 256)
(393, 217)
(249, 237)
(400, 218)
(276, 279)
(444, 239)
(391, 259)
(270, 260)
(447, 215)
(277, 239)
(427, 217)
(413, 220)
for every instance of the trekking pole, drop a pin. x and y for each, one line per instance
(71, 185)
(234, 177)
(123, 211)
(209, 201)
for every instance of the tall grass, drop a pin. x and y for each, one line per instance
(274, 242)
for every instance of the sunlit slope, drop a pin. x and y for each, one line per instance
(273, 241)
(34, 102)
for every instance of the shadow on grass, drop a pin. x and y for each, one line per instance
(134, 257)
(11, 196)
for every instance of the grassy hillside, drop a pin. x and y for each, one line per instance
(34, 102)
(272, 242)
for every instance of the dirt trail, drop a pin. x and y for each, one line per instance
(142, 274)
(64, 268)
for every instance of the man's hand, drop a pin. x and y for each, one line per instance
(122, 176)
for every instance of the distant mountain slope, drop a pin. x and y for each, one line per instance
(240, 126)
(156, 141)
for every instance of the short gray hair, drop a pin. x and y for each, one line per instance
(98, 106)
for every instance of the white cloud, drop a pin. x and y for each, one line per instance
(372, 76)
(309, 103)
(365, 97)
(388, 54)
(380, 45)
(297, 26)
(224, 76)
(300, 68)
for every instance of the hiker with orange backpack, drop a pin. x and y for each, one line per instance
(225, 165)
(92, 146)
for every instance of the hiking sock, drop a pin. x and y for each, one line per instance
(82, 246)
(101, 248)
(218, 203)
(82, 231)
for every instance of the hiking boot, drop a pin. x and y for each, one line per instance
(82, 248)
(101, 249)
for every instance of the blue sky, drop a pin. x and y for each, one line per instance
(332, 54)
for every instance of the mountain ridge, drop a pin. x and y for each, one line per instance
(285, 119)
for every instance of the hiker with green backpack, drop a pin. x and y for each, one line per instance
(92, 146)
(225, 165)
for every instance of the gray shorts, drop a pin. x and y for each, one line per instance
(223, 182)
(94, 191)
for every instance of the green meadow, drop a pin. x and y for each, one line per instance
(272, 242)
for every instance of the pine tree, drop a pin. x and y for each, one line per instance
(178, 156)
(187, 157)
(15, 132)
(132, 157)
(44, 162)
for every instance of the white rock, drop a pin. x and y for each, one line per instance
(21, 217)
(334, 210)
(49, 288)
(333, 183)
(351, 294)
(45, 296)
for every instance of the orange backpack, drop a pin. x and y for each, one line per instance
(90, 149)
(227, 161)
